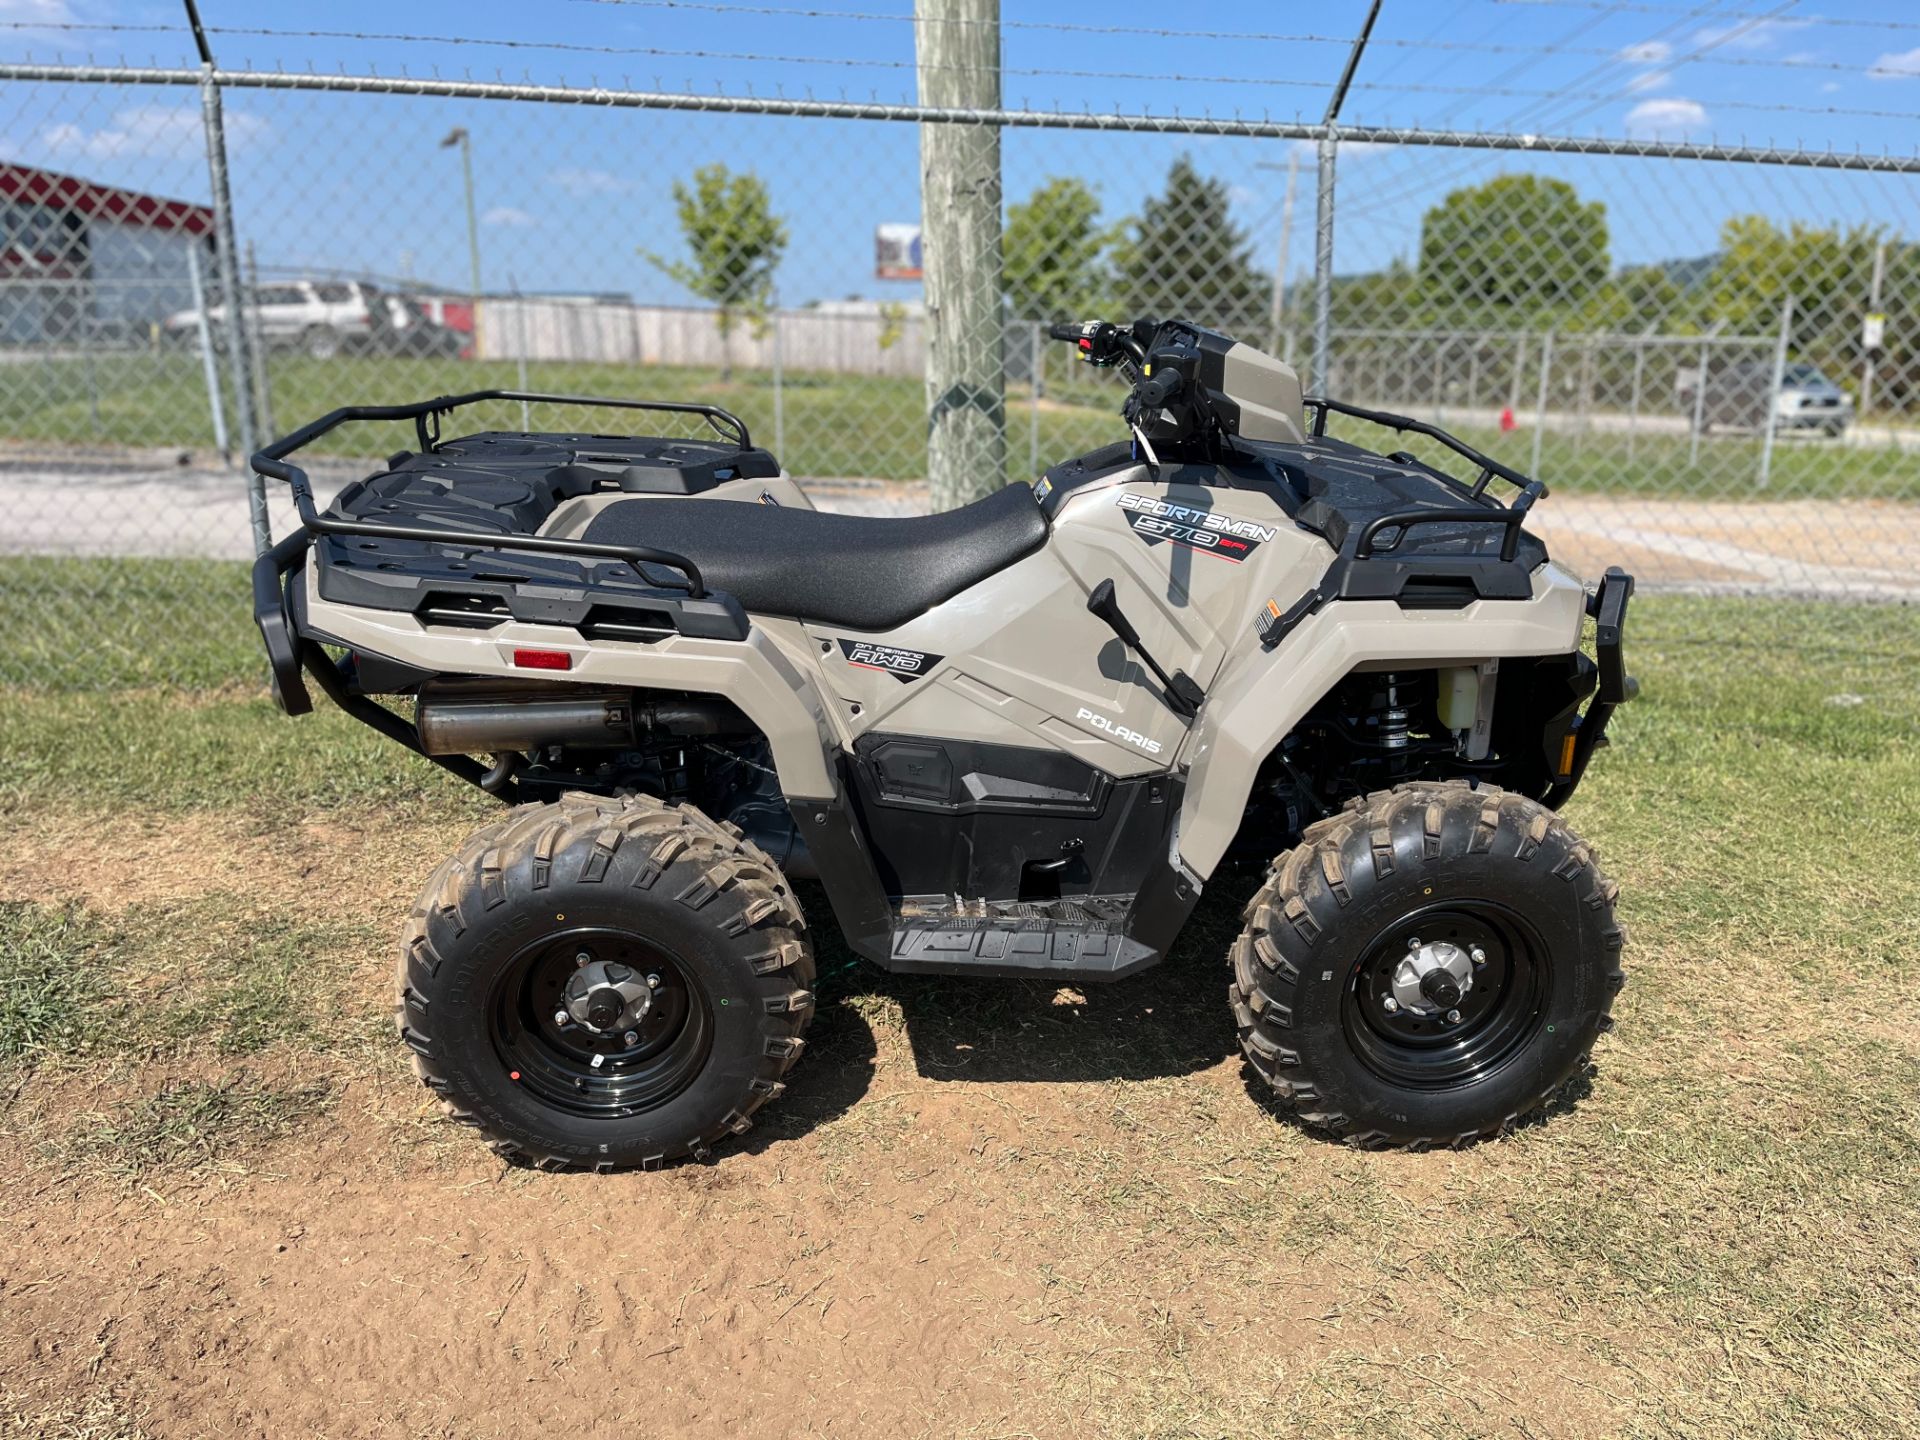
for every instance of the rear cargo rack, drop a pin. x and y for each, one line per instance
(275, 597)
(426, 414)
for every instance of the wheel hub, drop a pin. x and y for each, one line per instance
(1433, 978)
(607, 997)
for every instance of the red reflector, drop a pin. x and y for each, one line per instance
(543, 659)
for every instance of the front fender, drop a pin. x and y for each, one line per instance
(1259, 698)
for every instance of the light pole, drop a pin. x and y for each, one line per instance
(459, 136)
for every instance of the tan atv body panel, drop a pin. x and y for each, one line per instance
(1021, 662)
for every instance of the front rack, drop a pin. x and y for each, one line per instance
(1509, 517)
(426, 414)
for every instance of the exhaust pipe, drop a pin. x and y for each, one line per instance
(464, 718)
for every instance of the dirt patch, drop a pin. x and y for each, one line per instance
(781, 1291)
(980, 1210)
(342, 861)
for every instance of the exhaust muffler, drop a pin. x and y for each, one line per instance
(457, 717)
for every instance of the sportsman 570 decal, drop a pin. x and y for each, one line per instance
(1154, 520)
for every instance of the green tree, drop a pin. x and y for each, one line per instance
(1641, 297)
(1518, 241)
(1184, 257)
(735, 241)
(1054, 253)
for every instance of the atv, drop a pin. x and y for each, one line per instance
(1016, 739)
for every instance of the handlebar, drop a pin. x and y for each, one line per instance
(1101, 342)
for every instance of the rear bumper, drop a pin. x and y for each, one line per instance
(272, 614)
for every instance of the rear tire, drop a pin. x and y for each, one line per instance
(1492, 884)
(680, 928)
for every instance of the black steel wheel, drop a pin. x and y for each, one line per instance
(592, 1062)
(1468, 1026)
(1427, 966)
(605, 983)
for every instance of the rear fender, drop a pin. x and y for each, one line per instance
(754, 673)
(1260, 697)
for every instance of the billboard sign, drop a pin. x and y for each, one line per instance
(896, 252)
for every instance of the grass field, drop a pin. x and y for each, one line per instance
(988, 1209)
(841, 425)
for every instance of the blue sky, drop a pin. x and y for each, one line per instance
(570, 198)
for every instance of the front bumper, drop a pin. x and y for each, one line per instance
(1608, 607)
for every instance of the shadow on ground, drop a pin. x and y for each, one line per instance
(1169, 1020)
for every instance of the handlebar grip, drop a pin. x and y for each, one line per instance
(1065, 331)
(1161, 388)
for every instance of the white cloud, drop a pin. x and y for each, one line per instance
(508, 217)
(1667, 119)
(1747, 35)
(591, 182)
(1649, 80)
(1891, 66)
(152, 132)
(1309, 150)
(1648, 52)
(36, 12)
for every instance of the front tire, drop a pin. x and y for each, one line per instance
(605, 983)
(1428, 966)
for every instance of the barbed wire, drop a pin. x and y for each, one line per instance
(1459, 47)
(1712, 12)
(1474, 91)
(1427, 179)
(1143, 122)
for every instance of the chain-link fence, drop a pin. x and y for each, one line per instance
(1710, 356)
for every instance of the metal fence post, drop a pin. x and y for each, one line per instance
(1033, 416)
(1540, 407)
(227, 257)
(1699, 404)
(1772, 421)
(779, 387)
(263, 400)
(216, 407)
(1322, 375)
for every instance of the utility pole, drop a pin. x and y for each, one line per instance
(1323, 220)
(1280, 261)
(1871, 365)
(459, 136)
(957, 47)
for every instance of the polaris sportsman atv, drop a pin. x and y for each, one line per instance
(1015, 739)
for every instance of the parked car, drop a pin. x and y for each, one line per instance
(412, 332)
(1737, 396)
(321, 318)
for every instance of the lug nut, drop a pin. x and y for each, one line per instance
(1453, 1017)
(1413, 942)
(654, 981)
(632, 1037)
(1391, 1005)
(1478, 955)
(580, 960)
(561, 1017)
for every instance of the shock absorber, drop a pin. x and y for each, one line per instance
(1394, 724)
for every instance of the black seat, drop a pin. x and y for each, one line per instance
(866, 574)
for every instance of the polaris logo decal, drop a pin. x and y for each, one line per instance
(1154, 520)
(905, 666)
(1118, 732)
